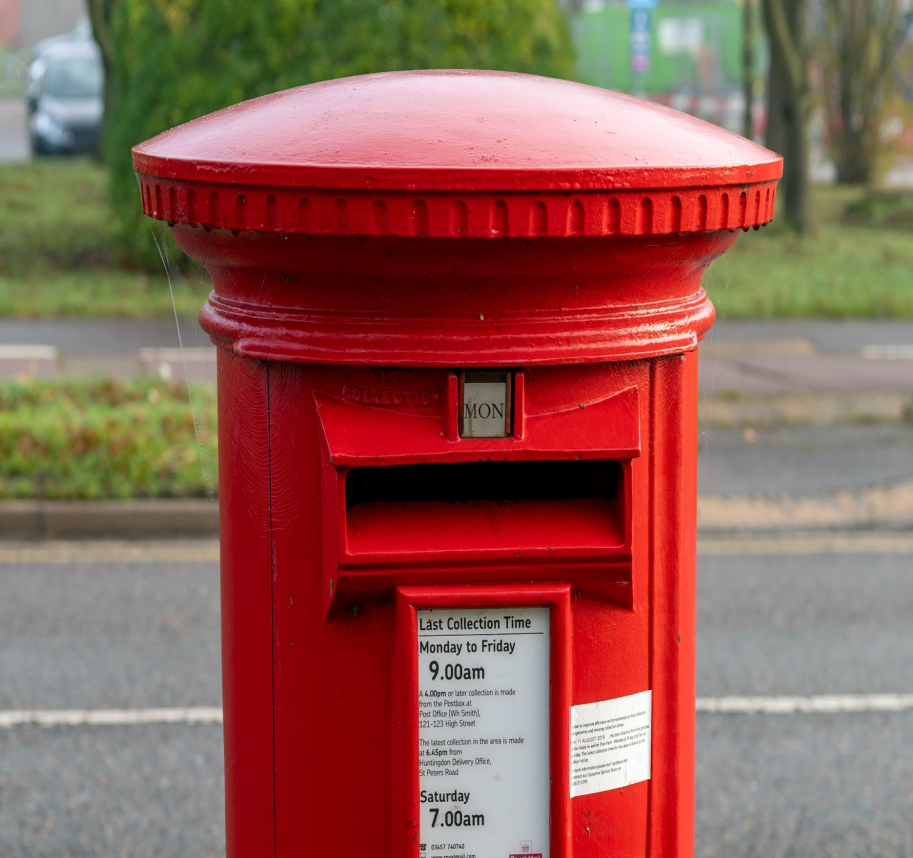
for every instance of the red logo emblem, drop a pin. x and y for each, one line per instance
(526, 851)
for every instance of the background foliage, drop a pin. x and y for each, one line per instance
(174, 60)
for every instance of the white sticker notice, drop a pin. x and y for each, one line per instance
(483, 740)
(610, 743)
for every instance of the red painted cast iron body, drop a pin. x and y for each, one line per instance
(368, 239)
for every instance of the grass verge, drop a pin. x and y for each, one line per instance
(857, 264)
(103, 439)
(58, 257)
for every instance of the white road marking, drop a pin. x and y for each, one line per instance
(65, 552)
(887, 352)
(109, 717)
(824, 704)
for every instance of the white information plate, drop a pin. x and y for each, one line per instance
(610, 743)
(483, 698)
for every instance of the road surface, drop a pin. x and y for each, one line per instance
(132, 627)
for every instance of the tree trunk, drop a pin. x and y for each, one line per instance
(748, 39)
(858, 46)
(856, 160)
(796, 182)
(100, 16)
(774, 130)
(789, 128)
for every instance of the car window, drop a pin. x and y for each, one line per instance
(73, 77)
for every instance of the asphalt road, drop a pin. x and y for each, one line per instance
(100, 635)
(116, 633)
(803, 459)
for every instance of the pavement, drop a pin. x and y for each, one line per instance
(125, 628)
(739, 360)
(810, 356)
(803, 460)
(122, 348)
(14, 141)
(794, 478)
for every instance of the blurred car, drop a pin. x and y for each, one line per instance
(65, 99)
(80, 34)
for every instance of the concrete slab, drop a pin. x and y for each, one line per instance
(175, 363)
(35, 361)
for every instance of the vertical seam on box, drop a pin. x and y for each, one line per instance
(272, 601)
(651, 573)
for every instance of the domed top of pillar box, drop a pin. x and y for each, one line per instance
(455, 218)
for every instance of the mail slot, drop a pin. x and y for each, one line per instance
(457, 316)
(515, 506)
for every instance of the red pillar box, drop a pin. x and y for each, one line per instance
(457, 316)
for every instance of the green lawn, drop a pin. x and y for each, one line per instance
(57, 256)
(858, 264)
(103, 439)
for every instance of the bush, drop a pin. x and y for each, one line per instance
(175, 60)
(882, 210)
(104, 438)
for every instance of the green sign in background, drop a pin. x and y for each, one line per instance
(602, 35)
